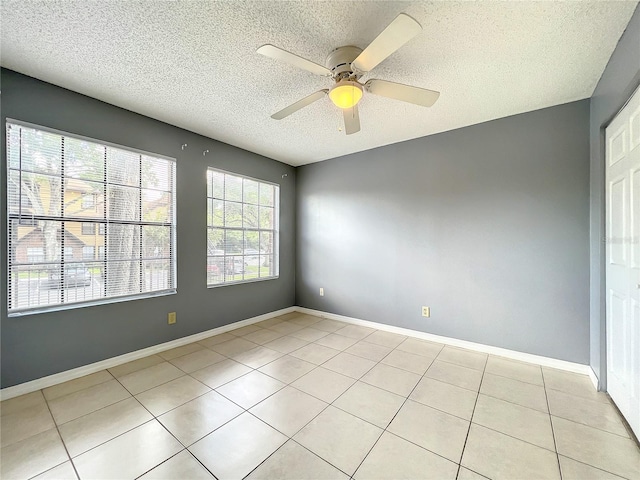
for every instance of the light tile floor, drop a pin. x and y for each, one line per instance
(300, 397)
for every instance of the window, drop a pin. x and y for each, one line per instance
(88, 201)
(242, 228)
(88, 252)
(51, 176)
(35, 254)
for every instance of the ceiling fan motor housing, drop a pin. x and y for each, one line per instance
(339, 62)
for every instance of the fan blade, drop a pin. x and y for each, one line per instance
(294, 107)
(293, 59)
(351, 120)
(405, 93)
(400, 31)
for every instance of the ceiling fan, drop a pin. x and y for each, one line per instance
(346, 65)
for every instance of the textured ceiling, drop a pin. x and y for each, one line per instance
(193, 64)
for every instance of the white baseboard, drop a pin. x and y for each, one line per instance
(502, 352)
(594, 379)
(44, 382)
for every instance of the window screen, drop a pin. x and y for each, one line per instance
(59, 187)
(242, 228)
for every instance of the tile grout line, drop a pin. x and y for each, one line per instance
(76, 391)
(367, 421)
(606, 432)
(253, 369)
(596, 468)
(198, 460)
(163, 426)
(185, 374)
(289, 438)
(98, 410)
(395, 415)
(177, 453)
(515, 438)
(378, 362)
(591, 426)
(620, 417)
(541, 411)
(512, 402)
(339, 373)
(316, 366)
(148, 411)
(553, 430)
(161, 463)
(211, 348)
(512, 378)
(457, 364)
(247, 410)
(154, 417)
(328, 404)
(297, 443)
(466, 438)
(73, 465)
(182, 404)
(287, 384)
(266, 374)
(209, 433)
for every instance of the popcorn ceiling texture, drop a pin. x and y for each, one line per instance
(193, 64)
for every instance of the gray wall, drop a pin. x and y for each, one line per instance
(42, 344)
(618, 81)
(488, 225)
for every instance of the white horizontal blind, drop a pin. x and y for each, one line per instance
(242, 228)
(87, 221)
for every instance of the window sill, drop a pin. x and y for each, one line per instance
(93, 303)
(240, 282)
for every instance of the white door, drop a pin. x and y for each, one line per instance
(623, 260)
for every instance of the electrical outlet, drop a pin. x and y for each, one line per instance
(171, 318)
(321, 292)
(426, 311)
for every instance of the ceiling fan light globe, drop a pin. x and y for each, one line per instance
(346, 94)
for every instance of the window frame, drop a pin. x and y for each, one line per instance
(275, 231)
(172, 223)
